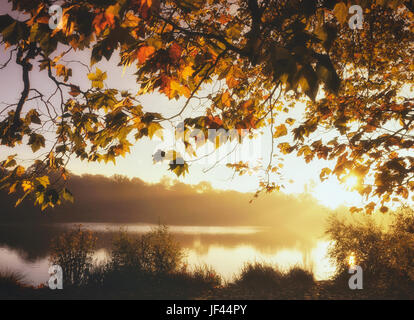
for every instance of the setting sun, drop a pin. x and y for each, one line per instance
(206, 150)
(333, 194)
(351, 182)
(351, 260)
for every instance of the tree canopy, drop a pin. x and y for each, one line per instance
(264, 56)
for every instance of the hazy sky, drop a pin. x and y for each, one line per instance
(140, 163)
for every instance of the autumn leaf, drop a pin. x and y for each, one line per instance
(187, 72)
(67, 195)
(237, 65)
(43, 181)
(97, 78)
(33, 116)
(285, 148)
(341, 12)
(13, 188)
(280, 131)
(148, 3)
(154, 128)
(27, 185)
(290, 121)
(175, 52)
(74, 91)
(179, 167)
(36, 141)
(325, 173)
(10, 162)
(144, 53)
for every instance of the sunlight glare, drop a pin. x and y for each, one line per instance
(351, 182)
(333, 194)
(351, 260)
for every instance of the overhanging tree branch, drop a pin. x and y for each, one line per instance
(26, 66)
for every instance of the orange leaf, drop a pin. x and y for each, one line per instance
(144, 53)
(74, 91)
(146, 2)
(175, 52)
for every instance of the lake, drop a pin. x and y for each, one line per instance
(26, 248)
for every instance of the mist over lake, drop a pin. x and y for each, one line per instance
(226, 249)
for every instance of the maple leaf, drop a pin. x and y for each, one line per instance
(144, 53)
(148, 3)
(175, 52)
(186, 72)
(280, 131)
(97, 78)
(74, 91)
(341, 12)
(171, 87)
(179, 166)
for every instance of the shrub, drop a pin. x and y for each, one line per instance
(362, 239)
(299, 278)
(143, 264)
(259, 277)
(400, 253)
(263, 281)
(73, 251)
(205, 278)
(156, 252)
(386, 254)
(188, 284)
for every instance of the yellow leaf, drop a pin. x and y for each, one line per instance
(44, 181)
(131, 20)
(13, 188)
(155, 128)
(280, 131)
(187, 72)
(97, 78)
(27, 185)
(341, 12)
(305, 150)
(290, 121)
(284, 148)
(325, 172)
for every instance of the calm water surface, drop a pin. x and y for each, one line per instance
(26, 249)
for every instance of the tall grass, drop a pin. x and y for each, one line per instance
(11, 283)
(11, 278)
(259, 280)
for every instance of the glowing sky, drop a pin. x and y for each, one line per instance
(140, 163)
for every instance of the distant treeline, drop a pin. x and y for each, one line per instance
(119, 199)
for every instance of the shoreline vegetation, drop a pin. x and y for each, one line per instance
(153, 266)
